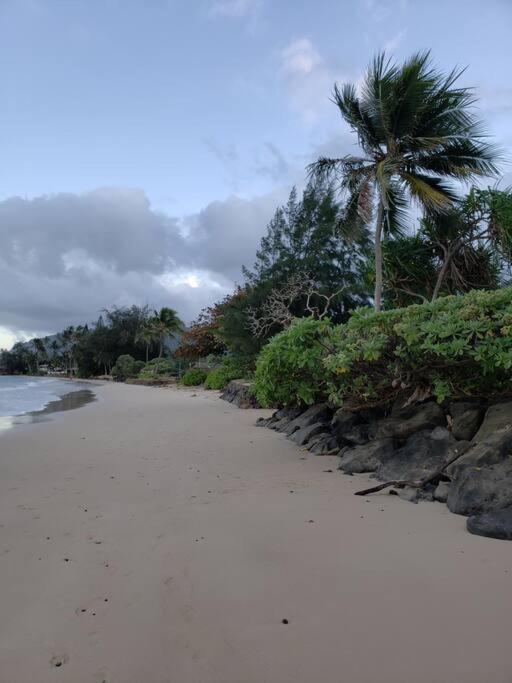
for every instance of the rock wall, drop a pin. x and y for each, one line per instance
(414, 443)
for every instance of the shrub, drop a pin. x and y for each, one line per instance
(158, 367)
(290, 367)
(126, 366)
(455, 346)
(231, 368)
(193, 377)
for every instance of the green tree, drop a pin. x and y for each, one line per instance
(417, 131)
(164, 324)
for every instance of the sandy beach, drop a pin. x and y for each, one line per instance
(158, 536)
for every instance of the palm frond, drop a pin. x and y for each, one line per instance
(432, 193)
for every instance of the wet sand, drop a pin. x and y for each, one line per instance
(158, 536)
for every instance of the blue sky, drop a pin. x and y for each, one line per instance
(206, 111)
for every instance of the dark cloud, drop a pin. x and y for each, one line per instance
(67, 256)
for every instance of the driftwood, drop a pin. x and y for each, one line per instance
(419, 484)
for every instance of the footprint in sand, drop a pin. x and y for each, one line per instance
(58, 660)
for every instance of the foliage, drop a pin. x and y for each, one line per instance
(193, 377)
(290, 367)
(158, 367)
(455, 346)
(231, 368)
(416, 130)
(126, 366)
(201, 339)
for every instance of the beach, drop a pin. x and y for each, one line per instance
(158, 536)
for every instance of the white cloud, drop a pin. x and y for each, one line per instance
(308, 79)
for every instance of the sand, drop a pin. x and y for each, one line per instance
(158, 536)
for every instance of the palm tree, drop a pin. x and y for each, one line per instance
(145, 335)
(165, 323)
(416, 130)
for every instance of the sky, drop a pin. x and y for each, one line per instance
(145, 144)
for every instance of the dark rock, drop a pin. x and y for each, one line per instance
(466, 419)
(303, 435)
(409, 494)
(418, 458)
(404, 422)
(365, 458)
(239, 393)
(291, 412)
(328, 444)
(317, 413)
(492, 524)
(441, 491)
(342, 422)
(497, 417)
(280, 425)
(357, 435)
(489, 452)
(485, 489)
(262, 421)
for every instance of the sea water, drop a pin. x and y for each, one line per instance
(20, 395)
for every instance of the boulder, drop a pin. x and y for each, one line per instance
(356, 435)
(489, 452)
(481, 489)
(418, 458)
(365, 458)
(497, 417)
(342, 422)
(326, 444)
(404, 422)
(239, 393)
(441, 491)
(303, 435)
(317, 413)
(466, 419)
(492, 524)
(291, 412)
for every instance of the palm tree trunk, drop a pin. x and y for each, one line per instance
(147, 352)
(161, 349)
(378, 258)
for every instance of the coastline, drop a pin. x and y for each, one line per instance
(71, 400)
(160, 536)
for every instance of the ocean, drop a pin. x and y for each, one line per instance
(20, 395)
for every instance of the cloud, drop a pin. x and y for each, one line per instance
(234, 8)
(308, 79)
(68, 256)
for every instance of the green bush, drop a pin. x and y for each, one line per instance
(158, 367)
(231, 368)
(193, 377)
(456, 346)
(126, 366)
(290, 367)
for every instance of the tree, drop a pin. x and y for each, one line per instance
(165, 323)
(146, 336)
(416, 130)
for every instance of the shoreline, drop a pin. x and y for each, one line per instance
(71, 400)
(160, 536)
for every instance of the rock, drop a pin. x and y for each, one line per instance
(404, 422)
(262, 421)
(291, 412)
(327, 444)
(303, 435)
(409, 494)
(492, 524)
(280, 425)
(466, 419)
(489, 452)
(365, 458)
(239, 393)
(342, 422)
(441, 491)
(357, 435)
(317, 413)
(418, 458)
(496, 417)
(477, 490)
